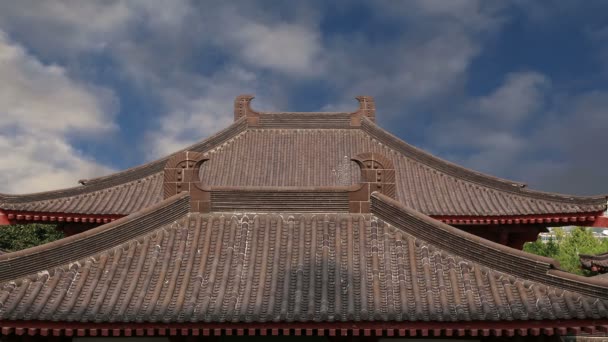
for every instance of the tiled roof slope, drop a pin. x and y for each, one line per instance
(297, 150)
(121, 199)
(121, 193)
(321, 157)
(294, 267)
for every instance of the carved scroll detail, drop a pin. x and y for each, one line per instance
(377, 174)
(367, 108)
(182, 174)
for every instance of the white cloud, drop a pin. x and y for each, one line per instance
(61, 26)
(193, 57)
(571, 145)
(33, 163)
(485, 133)
(289, 48)
(474, 15)
(36, 97)
(521, 95)
(491, 121)
(41, 108)
(424, 60)
(503, 136)
(205, 109)
(189, 120)
(599, 38)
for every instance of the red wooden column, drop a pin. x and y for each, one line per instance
(600, 222)
(4, 219)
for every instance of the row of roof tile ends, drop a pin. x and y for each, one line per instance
(165, 264)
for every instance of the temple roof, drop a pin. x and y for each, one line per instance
(299, 150)
(167, 265)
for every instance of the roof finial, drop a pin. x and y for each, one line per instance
(242, 106)
(367, 106)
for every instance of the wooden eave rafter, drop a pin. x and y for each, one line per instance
(26, 216)
(365, 329)
(583, 219)
(592, 219)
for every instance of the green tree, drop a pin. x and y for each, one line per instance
(548, 249)
(21, 236)
(565, 248)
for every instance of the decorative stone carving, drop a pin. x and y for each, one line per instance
(377, 174)
(182, 174)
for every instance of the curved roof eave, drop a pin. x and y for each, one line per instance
(470, 175)
(128, 175)
(486, 252)
(71, 248)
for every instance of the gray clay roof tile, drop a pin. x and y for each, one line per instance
(167, 265)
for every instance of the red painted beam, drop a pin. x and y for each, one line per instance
(593, 219)
(587, 219)
(12, 216)
(469, 328)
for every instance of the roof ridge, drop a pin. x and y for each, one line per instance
(305, 120)
(394, 142)
(222, 136)
(490, 254)
(464, 173)
(303, 113)
(556, 196)
(31, 260)
(131, 174)
(55, 194)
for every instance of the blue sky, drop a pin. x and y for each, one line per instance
(517, 89)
